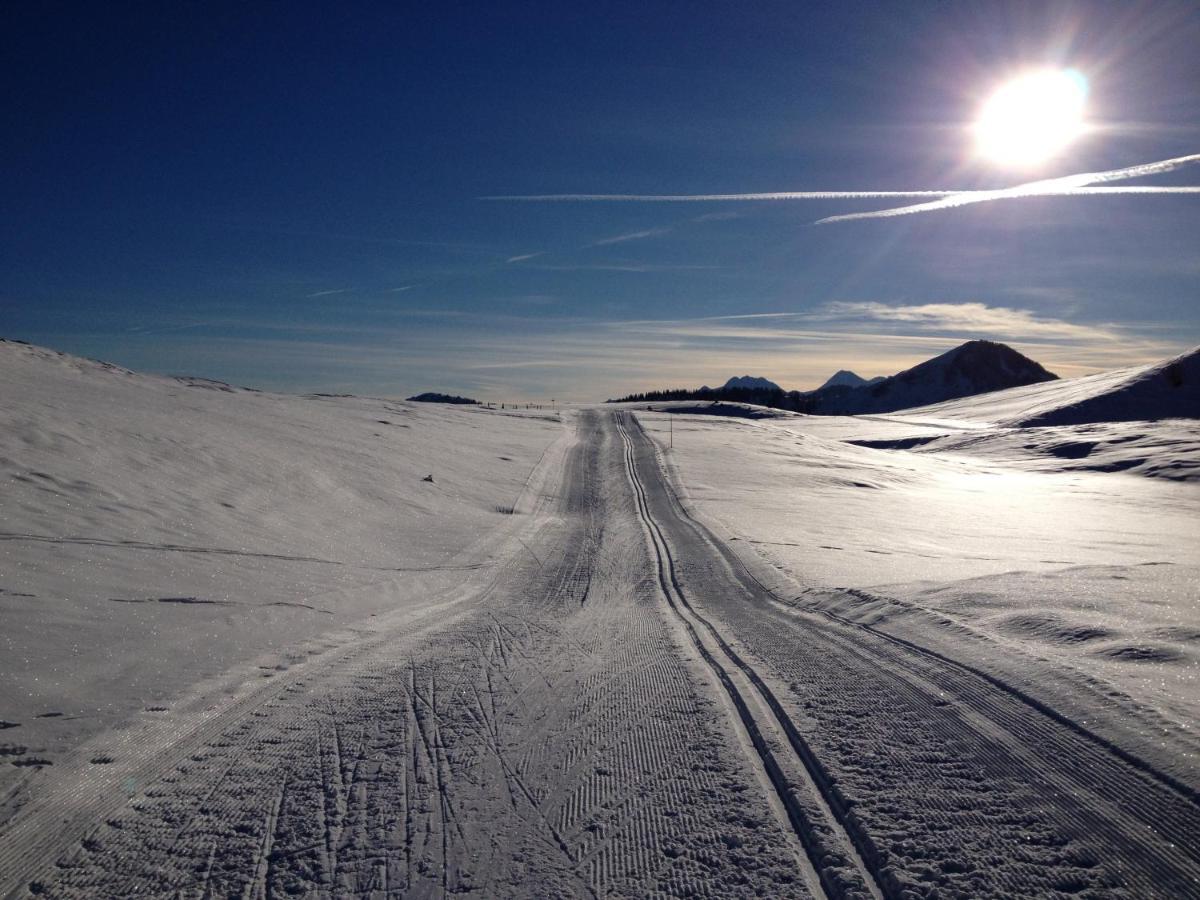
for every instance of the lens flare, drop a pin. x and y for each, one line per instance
(1032, 118)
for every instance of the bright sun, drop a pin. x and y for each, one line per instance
(1032, 118)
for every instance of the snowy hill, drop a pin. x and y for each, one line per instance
(1170, 390)
(1142, 420)
(751, 383)
(976, 367)
(155, 529)
(1165, 390)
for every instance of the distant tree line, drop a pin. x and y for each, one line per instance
(433, 397)
(794, 401)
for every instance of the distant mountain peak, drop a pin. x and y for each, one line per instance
(751, 383)
(988, 362)
(846, 378)
(976, 367)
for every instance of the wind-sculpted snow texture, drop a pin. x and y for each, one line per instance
(616, 707)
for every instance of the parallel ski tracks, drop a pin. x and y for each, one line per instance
(553, 741)
(1144, 823)
(830, 839)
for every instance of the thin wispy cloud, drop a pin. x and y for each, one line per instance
(328, 293)
(969, 318)
(401, 289)
(717, 216)
(622, 267)
(1082, 184)
(847, 321)
(143, 330)
(524, 256)
(632, 236)
(524, 364)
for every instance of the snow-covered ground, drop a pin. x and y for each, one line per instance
(157, 532)
(259, 644)
(1043, 554)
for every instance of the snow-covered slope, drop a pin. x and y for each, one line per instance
(154, 530)
(976, 367)
(1166, 390)
(1141, 420)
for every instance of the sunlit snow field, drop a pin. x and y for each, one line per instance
(1081, 584)
(155, 532)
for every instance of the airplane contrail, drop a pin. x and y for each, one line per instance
(1081, 184)
(701, 198)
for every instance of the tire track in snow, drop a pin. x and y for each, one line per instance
(822, 827)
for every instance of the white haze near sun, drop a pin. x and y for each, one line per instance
(1032, 118)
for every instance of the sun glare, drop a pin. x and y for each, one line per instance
(1032, 118)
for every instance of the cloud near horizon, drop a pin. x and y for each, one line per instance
(974, 318)
(882, 339)
(527, 357)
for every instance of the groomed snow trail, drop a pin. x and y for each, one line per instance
(946, 781)
(614, 707)
(546, 737)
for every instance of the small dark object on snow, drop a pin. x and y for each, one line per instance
(435, 397)
(427, 478)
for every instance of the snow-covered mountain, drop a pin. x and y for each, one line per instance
(976, 367)
(846, 378)
(751, 383)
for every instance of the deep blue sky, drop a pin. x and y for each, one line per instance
(286, 195)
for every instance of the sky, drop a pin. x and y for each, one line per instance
(293, 196)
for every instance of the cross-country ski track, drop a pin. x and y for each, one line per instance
(606, 703)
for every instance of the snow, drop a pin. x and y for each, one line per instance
(1165, 390)
(259, 644)
(1034, 552)
(155, 532)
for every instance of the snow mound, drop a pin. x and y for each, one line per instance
(1170, 390)
(1164, 390)
(1167, 449)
